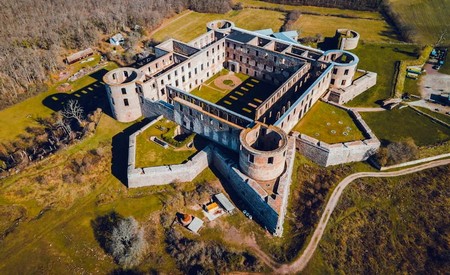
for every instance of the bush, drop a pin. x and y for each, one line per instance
(398, 152)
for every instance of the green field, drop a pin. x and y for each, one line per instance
(388, 226)
(16, 118)
(428, 18)
(370, 30)
(380, 58)
(324, 118)
(445, 118)
(445, 69)
(412, 86)
(398, 124)
(148, 153)
(190, 26)
(313, 9)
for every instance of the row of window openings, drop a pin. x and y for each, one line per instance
(335, 70)
(251, 159)
(248, 51)
(125, 101)
(342, 82)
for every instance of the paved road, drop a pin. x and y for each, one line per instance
(368, 109)
(301, 262)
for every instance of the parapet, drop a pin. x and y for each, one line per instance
(119, 76)
(220, 25)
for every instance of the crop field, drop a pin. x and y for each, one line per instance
(328, 123)
(188, 27)
(427, 18)
(398, 124)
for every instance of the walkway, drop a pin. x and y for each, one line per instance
(301, 262)
(368, 109)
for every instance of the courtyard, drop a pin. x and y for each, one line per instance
(237, 92)
(151, 152)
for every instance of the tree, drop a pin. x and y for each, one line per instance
(127, 244)
(73, 110)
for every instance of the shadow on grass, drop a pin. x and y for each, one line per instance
(90, 97)
(103, 227)
(119, 163)
(328, 43)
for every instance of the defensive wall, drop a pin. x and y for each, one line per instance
(161, 175)
(359, 85)
(326, 154)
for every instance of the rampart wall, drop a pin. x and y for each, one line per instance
(360, 85)
(160, 175)
(326, 154)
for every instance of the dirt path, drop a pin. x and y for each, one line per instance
(368, 109)
(300, 263)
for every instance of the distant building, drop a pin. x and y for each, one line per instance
(79, 55)
(195, 225)
(288, 36)
(224, 202)
(117, 39)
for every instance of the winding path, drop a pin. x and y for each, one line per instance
(300, 263)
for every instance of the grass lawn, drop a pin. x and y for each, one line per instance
(16, 118)
(192, 25)
(440, 116)
(398, 124)
(380, 58)
(445, 69)
(313, 9)
(315, 124)
(242, 99)
(427, 18)
(148, 153)
(375, 227)
(412, 86)
(370, 30)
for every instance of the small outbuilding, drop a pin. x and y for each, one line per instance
(117, 39)
(79, 55)
(195, 225)
(224, 202)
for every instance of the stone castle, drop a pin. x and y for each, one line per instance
(257, 130)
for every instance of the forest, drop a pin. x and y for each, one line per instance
(37, 34)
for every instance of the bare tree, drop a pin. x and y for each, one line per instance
(127, 244)
(73, 110)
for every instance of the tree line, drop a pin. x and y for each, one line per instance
(343, 4)
(36, 34)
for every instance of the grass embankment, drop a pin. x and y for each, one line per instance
(398, 124)
(445, 69)
(389, 226)
(440, 116)
(380, 58)
(192, 25)
(427, 19)
(148, 153)
(324, 118)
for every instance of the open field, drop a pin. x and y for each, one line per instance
(440, 116)
(388, 226)
(313, 9)
(148, 153)
(380, 58)
(398, 124)
(315, 124)
(412, 86)
(428, 19)
(242, 98)
(370, 30)
(445, 69)
(192, 25)
(88, 89)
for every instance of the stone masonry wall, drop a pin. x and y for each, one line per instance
(360, 85)
(160, 175)
(326, 154)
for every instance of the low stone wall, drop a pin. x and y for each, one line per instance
(360, 85)
(326, 154)
(414, 162)
(160, 175)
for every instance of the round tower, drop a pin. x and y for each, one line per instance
(263, 152)
(223, 26)
(344, 67)
(121, 88)
(347, 39)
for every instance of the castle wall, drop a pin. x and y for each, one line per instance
(326, 154)
(247, 190)
(160, 175)
(360, 85)
(157, 108)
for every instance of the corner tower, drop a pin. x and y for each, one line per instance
(122, 88)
